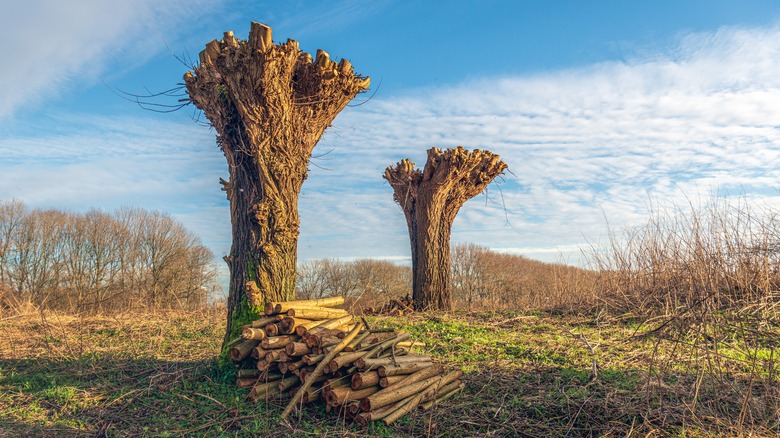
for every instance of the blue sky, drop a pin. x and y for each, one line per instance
(600, 108)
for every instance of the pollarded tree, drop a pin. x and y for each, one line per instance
(430, 200)
(270, 104)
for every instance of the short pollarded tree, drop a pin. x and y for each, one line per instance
(270, 104)
(430, 199)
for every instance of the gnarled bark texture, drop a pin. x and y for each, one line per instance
(270, 104)
(430, 200)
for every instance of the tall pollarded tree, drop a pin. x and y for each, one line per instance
(430, 199)
(269, 104)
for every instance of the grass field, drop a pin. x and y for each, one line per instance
(527, 374)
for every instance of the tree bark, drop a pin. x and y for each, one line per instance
(269, 104)
(430, 200)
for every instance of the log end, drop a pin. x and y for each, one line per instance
(362, 419)
(357, 381)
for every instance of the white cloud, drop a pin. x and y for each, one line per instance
(52, 44)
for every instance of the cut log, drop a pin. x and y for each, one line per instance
(295, 366)
(288, 383)
(341, 395)
(285, 309)
(338, 321)
(335, 382)
(364, 363)
(272, 329)
(448, 378)
(242, 350)
(312, 394)
(376, 349)
(333, 323)
(252, 333)
(364, 418)
(297, 349)
(401, 368)
(352, 408)
(302, 329)
(276, 307)
(442, 394)
(322, 341)
(395, 393)
(310, 313)
(409, 405)
(273, 355)
(384, 382)
(310, 359)
(432, 371)
(289, 324)
(278, 341)
(245, 382)
(259, 353)
(355, 343)
(363, 380)
(343, 359)
(376, 338)
(260, 323)
(246, 374)
(263, 390)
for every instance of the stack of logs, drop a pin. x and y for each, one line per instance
(317, 353)
(394, 307)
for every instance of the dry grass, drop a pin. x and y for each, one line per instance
(705, 282)
(527, 374)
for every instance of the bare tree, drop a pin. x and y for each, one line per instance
(430, 200)
(485, 279)
(36, 266)
(12, 215)
(312, 281)
(365, 280)
(94, 261)
(270, 104)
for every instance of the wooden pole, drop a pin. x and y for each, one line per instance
(277, 307)
(395, 393)
(243, 350)
(310, 313)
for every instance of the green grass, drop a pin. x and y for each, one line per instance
(527, 374)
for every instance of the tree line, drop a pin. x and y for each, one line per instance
(97, 261)
(481, 279)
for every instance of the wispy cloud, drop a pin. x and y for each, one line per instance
(588, 145)
(327, 17)
(53, 45)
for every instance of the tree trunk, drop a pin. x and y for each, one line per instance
(270, 104)
(430, 200)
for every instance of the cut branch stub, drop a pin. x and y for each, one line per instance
(430, 199)
(270, 105)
